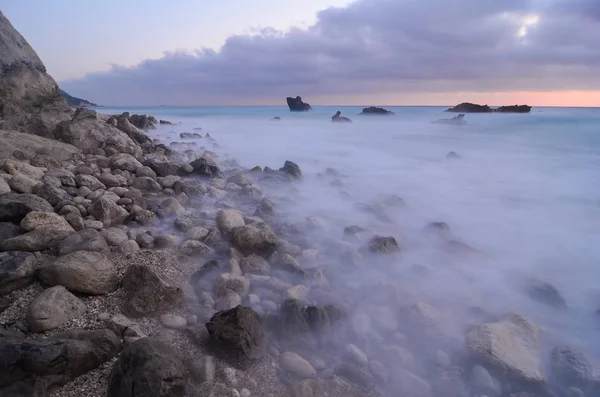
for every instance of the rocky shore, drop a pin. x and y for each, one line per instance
(133, 268)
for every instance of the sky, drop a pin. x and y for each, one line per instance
(361, 52)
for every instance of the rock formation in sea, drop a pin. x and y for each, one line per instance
(338, 118)
(296, 104)
(456, 120)
(377, 111)
(467, 107)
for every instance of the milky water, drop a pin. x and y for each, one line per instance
(526, 192)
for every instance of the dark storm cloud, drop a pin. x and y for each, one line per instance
(378, 46)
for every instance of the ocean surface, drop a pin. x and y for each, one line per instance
(525, 193)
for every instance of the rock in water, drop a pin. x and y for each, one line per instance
(511, 346)
(296, 104)
(229, 219)
(52, 308)
(17, 270)
(570, 367)
(255, 238)
(383, 245)
(376, 110)
(147, 367)
(206, 166)
(237, 335)
(291, 169)
(147, 293)
(40, 364)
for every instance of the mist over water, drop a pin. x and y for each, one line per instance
(526, 193)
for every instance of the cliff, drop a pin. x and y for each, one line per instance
(74, 101)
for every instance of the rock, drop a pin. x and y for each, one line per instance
(296, 104)
(84, 240)
(37, 240)
(228, 300)
(229, 219)
(203, 369)
(297, 292)
(255, 264)
(424, 322)
(147, 184)
(452, 156)
(147, 367)
(511, 346)
(383, 245)
(190, 187)
(145, 171)
(570, 367)
(173, 321)
(4, 187)
(238, 284)
(46, 363)
(53, 195)
(17, 270)
(86, 272)
(144, 217)
(291, 169)
(9, 230)
(145, 240)
(467, 107)
(165, 240)
(255, 238)
(114, 236)
(545, 293)
(125, 162)
(52, 308)
(188, 221)
(376, 110)
(108, 212)
(206, 166)
(147, 293)
(195, 248)
(296, 366)
(513, 109)
(14, 207)
(410, 384)
(196, 233)
(22, 183)
(356, 356)
(125, 327)
(113, 180)
(338, 118)
(356, 375)
(237, 335)
(129, 246)
(171, 206)
(75, 220)
(481, 382)
(240, 179)
(89, 181)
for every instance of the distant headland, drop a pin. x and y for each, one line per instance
(74, 101)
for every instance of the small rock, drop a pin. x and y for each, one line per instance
(147, 293)
(229, 219)
(383, 245)
(203, 369)
(84, 240)
(356, 356)
(173, 321)
(237, 284)
(255, 264)
(129, 246)
(229, 300)
(114, 236)
(195, 248)
(296, 366)
(17, 270)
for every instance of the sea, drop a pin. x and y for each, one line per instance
(525, 194)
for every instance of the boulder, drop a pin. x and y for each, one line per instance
(147, 367)
(22, 183)
(195, 248)
(206, 166)
(84, 240)
(467, 107)
(114, 236)
(291, 169)
(338, 118)
(383, 245)
(229, 219)
(53, 307)
(188, 221)
(9, 230)
(296, 104)
(571, 368)
(33, 146)
(237, 335)
(89, 181)
(108, 212)
(147, 184)
(33, 367)
(148, 293)
(52, 194)
(376, 110)
(511, 346)
(545, 293)
(14, 207)
(255, 264)
(142, 121)
(50, 221)
(82, 271)
(171, 206)
(36, 240)
(513, 109)
(296, 366)
(255, 238)
(17, 270)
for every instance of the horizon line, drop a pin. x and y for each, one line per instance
(317, 106)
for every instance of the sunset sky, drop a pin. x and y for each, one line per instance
(362, 52)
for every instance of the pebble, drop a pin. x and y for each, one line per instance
(296, 365)
(357, 356)
(230, 375)
(245, 393)
(104, 316)
(173, 321)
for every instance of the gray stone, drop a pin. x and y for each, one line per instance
(296, 366)
(17, 270)
(9, 230)
(54, 223)
(228, 300)
(129, 246)
(195, 248)
(256, 238)
(22, 183)
(4, 187)
(145, 240)
(196, 233)
(75, 220)
(89, 181)
(125, 162)
(14, 207)
(108, 212)
(145, 171)
(238, 284)
(84, 240)
(356, 356)
(147, 292)
(111, 181)
(114, 236)
(37, 240)
(52, 308)
(173, 321)
(171, 206)
(206, 166)
(240, 179)
(571, 367)
(166, 240)
(203, 369)
(125, 327)
(383, 245)
(82, 271)
(229, 219)
(144, 217)
(188, 221)
(52, 194)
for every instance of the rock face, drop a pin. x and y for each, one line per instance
(147, 292)
(511, 346)
(41, 364)
(467, 107)
(82, 271)
(29, 97)
(237, 334)
(52, 308)
(376, 110)
(296, 104)
(147, 367)
(17, 270)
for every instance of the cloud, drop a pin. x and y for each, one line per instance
(377, 46)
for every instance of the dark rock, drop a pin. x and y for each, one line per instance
(338, 118)
(206, 166)
(296, 104)
(255, 264)
(142, 121)
(570, 367)
(165, 122)
(144, 217)
(108, 212)
(291, 169)
(36, 240)
(17, 270)
(51, 194)
(188, 221)
(376, 110)
(191, 187)
(190, 135)
(265, 210)
(456, 120)
(513, 109)
(467, 107)
(14, 207)
(237, 335)
(147, 367)
(453, 156)
(84, 240)
(383, 245)
(276, 118)
(255, 238)
(296, 319)
(147, 293)
(9, 230)
(545, 293)
(39, 365)
(165, 168)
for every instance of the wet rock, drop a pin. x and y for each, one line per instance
(190, 187)
(114, 236)
(14, 207)
(52, 308)
(35, 366)
(545, 293)
(171, 206)
(237, 335)
(571, 367)
(147, 367)
(291, 169)
(383, 245)
(188, 221)
(229, 219)
(482, 382)
(195, 248)
(108, 212)
(255, 264)
(206, 166)
(166, 240)
(296, 366)
(238, 284)
(17, 270)
(84, 240)
(511, 346)
(255, 238)
(147, 293)
(86, 272)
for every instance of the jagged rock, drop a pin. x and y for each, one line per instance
(255, 238)
(296, 104)
(291, 169)
(338, 118)
(147, 367)
(142, 121)
(124, 124)
(17, 270)
(53, 307)
(51, 194)
(467, 107)
(14, 207)
(383, 245)
(229, 219)
(511, 346)
(147, 293)
(190, 135)
(84, 240)
(571, 367)
(108, 212)
(376, 110)
(227, 281)
(206, 166)
(237, 335)
(82, 271)
(33, 367)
